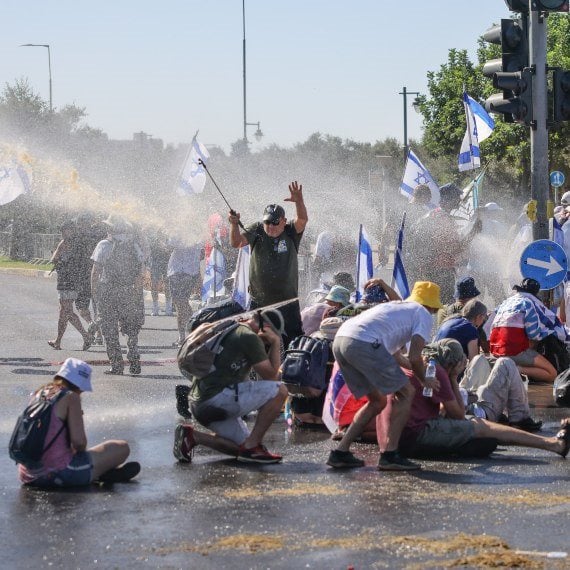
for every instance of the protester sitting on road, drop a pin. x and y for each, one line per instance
(520, 324)
(465, 290)
(273, 269)
(465, 327)
(66, 263)
(427, 429)
(220, 399)
(376, 291)
(367, 348)
(68, 462)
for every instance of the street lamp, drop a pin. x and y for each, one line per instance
(258, 134)
(405, 94)
(49, 69)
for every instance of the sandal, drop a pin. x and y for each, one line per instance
(564, 435)
(54, 345)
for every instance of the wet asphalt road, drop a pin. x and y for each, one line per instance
(216, 513)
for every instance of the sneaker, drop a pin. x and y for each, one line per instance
(182, 393)
(135, 366)
(257, 454)
(121, 474)
(527, 424)
(98, 340)
(184, 443)
(393, 461)
(154, 313)
(343, 459)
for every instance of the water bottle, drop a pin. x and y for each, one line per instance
(430, 375)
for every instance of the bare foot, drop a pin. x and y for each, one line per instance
(54, 344)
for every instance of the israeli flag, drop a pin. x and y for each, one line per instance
(399, 278)
(364, 263)
(14, 181)
(415, 174)
(192, 178)
(213, 284)
(479, 127)
(240, 293)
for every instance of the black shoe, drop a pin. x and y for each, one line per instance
(393, 461)
(115, 370)
(135, 366)
(182, 393)
(343, 459)
(527, 424)
(121, 474)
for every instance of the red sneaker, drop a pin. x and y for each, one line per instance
(184, 443)
(257, 454)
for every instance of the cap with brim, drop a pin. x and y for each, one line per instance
(565, 200)
(466, 289)
(275, 320)
(492, 207)
(76, 372)
(339, 294)
(118, 225)
(273, 213)
(374, 294)
(426, 293)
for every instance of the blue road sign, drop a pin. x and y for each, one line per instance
(557, 178)
(545, 261)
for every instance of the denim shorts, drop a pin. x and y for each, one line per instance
(78, 473)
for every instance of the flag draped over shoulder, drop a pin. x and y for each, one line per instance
(240, 293)
(479, 127)
(399, 278)
(14, 181)
(213, 284)
(364, 263)
(192, 178)
(336, 397)
(415, 174)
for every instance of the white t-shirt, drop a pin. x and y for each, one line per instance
(390, 324)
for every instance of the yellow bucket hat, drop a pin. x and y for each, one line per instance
(426, 293)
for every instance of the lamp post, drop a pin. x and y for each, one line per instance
(49, 69)
(405, 94)
(258, 134)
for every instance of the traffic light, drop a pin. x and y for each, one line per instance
(550, 5)
(561, 93)
(511, 73)
(516, 100)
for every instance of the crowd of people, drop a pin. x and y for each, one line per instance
(435, 373)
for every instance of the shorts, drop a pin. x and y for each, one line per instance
(223, 413)
(446, 433)
(78, 473)
(182, 286)
(525, 358)
(367, 367)
(67, 295)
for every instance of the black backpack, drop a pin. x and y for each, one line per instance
(212, 313)
(28, 441)
(124, 264)
(561, 389)
(555, 351)
(305, 365)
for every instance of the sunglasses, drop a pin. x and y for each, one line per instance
(271, 223)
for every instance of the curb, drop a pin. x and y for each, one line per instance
(28, 272)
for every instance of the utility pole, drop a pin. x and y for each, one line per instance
(539, 183)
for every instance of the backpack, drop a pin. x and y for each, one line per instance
(124, 264)
(199, 350)
(214, 312)
(555, 351)
(304, 369)
(28, 441)
(561, 389)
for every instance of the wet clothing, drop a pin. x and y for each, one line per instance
(460, 329)
(241, 349)
(273, 270)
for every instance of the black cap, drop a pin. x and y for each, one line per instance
(528, 285)
(273, 213)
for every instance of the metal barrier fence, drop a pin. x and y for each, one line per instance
(29, 247)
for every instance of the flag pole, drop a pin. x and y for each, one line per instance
(357, 294)
(467, 119)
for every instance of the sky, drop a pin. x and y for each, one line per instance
(170, 68)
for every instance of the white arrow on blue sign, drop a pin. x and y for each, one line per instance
(545, 261)
(557, 178)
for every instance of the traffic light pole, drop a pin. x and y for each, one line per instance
(539, 131)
